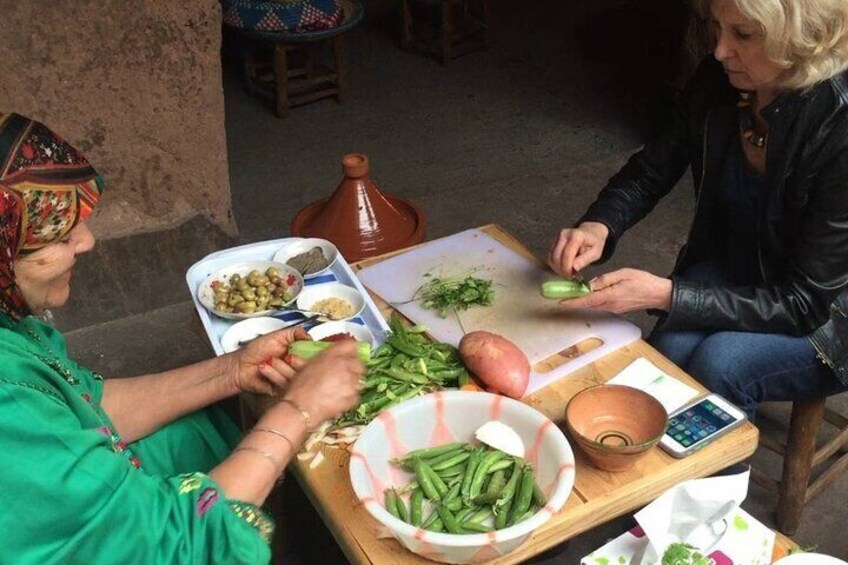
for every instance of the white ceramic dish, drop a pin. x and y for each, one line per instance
(313, 294)
(249, 329)
(358, 331)
(331, 253)
(263, 250)
(206, 295)
(442, 417)
(809, 559)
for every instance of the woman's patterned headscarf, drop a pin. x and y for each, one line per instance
(46, 188)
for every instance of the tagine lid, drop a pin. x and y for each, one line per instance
(360, 219)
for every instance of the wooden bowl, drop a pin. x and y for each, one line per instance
(615, 425)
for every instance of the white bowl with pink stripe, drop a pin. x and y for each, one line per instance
(443, 417)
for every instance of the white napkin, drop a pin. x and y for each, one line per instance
(693, 512)
(646, 376)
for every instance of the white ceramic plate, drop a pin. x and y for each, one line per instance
(249, 329)
(207, 296)
(358, 331)
(809, 559)
(313, 294)
(331, 253)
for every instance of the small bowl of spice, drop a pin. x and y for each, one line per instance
(341, 330)
(334, 300)
(312, 257)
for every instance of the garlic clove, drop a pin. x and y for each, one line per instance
(500, 436)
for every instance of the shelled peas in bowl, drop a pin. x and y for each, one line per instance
(254, 292)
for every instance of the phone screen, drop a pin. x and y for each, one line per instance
(697, 423)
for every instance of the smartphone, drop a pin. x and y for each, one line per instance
(695, 425)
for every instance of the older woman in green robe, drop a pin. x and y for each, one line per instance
(134, 470)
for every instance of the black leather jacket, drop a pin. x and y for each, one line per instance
(802, 226)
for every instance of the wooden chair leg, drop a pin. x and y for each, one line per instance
(338, 59)
(447, 31)
(281, 79)
(406, 24)
(797, 465)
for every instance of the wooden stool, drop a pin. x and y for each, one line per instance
(293, 69)
(463, 27)
(794, 488)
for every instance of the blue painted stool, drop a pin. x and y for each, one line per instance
(295, 73)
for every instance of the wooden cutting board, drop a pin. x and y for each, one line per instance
(539, 327)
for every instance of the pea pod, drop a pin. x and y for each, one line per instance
(494, 489)
(431, 519)
(451, 497)
(441, 487)
(452, 472)
(471, 467)
(449, 520)
(504, 503)
(450, 462)
(565, 289)
(391, 502)
(475, 528)
(523, 497)
(425, 482)
(451, 457)
(500, 465)
(431, 452)
(403, 514)
(539, 498)
(482, 469)
(416, 507)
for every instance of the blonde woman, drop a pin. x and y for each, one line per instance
(756, 306)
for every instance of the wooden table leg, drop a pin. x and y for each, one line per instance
(338, 58)
(447, 31)
(281, 78)
(406, 24)
(803, 431)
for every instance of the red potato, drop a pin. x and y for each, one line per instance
(497, 362)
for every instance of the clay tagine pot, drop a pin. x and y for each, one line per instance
(615, 425)
(358, 218)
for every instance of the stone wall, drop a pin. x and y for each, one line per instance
(136, 85)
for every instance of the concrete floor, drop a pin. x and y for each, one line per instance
(523, 135)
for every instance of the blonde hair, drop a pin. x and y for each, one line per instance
(808, 38)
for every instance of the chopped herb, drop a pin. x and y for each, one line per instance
(455, 293)
(683, 554)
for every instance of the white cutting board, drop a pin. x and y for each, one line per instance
(539, 327)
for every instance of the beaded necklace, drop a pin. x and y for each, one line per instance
(53, 361)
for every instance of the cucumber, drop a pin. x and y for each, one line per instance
(565, 289)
